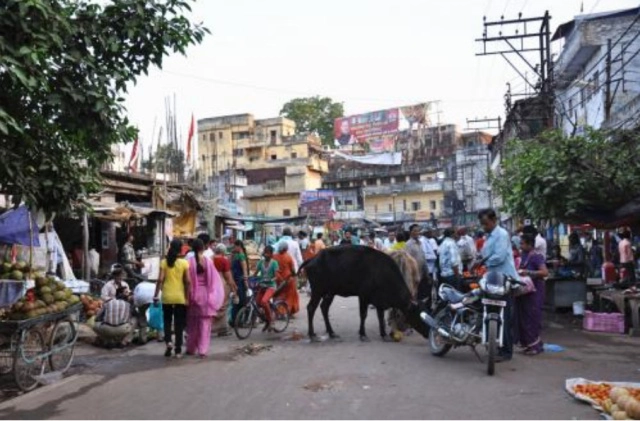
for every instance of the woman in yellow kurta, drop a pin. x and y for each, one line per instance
(174, 283)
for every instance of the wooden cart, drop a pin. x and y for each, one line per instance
(29, 347)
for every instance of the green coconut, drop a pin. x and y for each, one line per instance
(48, 298)
(17, 275)
(45, 290)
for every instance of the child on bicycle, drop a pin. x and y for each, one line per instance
(266, 271)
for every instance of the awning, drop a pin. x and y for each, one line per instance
(15, 227)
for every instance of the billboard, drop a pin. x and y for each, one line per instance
(316, 203)
(377, 131)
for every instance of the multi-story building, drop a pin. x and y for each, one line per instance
(596, 73)
(261, 164)
(412, 191)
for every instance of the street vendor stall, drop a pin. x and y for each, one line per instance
(37, 328)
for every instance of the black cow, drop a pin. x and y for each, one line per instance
(360, 271)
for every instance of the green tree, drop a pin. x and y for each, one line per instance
(65, 66)
(168, 158)
(314, 115)
(572, 178)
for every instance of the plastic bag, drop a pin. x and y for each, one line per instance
(156, 319)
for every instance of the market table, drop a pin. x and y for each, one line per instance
(622, 302)
(562, 292)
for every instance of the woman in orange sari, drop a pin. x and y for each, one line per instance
(287, 274)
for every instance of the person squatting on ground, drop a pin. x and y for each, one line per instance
(113, 323)
(174, 282)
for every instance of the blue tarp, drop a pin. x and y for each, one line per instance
(14, 227)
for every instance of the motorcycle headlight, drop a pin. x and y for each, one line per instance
(495, 289)
(441, 291)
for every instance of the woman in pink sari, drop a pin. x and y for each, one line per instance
(205, 299)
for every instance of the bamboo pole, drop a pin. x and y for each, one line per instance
(86, 272)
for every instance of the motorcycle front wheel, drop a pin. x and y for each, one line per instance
(492, 343)
(439, 345)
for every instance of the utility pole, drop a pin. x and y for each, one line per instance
(607, 101)
(519, 43)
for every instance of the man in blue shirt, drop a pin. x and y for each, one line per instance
(497, 256)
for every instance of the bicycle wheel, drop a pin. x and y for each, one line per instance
(244, 322)
(62, 344)
(26, 364)
(280, 316)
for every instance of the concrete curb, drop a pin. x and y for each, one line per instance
(37, 392)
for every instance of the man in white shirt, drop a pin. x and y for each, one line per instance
(541, 244)
(111, 288)
(390, 240)
(466, 248)
(294, 247)
(430, 235)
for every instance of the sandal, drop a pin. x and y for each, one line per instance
(168, 351)
(532, 352)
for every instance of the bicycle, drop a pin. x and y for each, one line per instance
(248, 315)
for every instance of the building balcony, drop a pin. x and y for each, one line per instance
(251, 142)
(390, 189)
(578, 50)
(313, 163)
(270, 188)
(337, 174)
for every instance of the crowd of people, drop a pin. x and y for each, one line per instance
(199, 280)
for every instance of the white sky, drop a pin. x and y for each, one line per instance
(368, 54)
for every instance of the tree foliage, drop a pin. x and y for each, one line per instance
(567, 177)
(167, 158)
(64, 70)
(314, 115)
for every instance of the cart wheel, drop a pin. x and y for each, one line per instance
(62, 345)
(7, 350)
(26, 364)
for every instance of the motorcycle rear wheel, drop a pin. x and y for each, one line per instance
(438, 345)
(492, 344)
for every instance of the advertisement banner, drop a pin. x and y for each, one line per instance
(377, 131)
(316, 203)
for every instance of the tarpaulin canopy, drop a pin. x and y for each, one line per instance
(15, 228)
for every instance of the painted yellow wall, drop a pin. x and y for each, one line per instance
(274, 205)
(384, 203)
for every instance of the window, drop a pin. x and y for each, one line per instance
(415, 206)
(274, 134)
(286, 212)
(238, 152)
(274, 157)
(404, 205)
(211, 137)
(414, 177)
(294, 155)
(433, 205)
(596, 80)
(348, 202)
(375, 208)
(204, 137)
(571, 104)
(219, 135)
(385, 180)
(390, 207)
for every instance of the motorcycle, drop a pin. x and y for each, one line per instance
(471, 319)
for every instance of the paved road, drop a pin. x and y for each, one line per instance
(348, 379)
